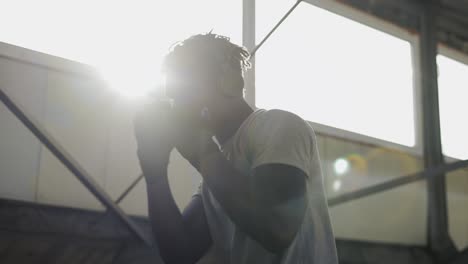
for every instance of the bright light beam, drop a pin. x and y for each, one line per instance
(133, 82)
(127, 44)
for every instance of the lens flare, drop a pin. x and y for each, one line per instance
(337, 185)
(341, 166)
(133, 77)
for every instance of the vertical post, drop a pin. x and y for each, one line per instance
(438, 234)
(248, 41)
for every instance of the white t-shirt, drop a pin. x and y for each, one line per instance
(274, 136)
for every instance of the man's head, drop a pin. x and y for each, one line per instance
(205, 70)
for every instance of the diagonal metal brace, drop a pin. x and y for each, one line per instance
(129, 189)
(400, 181)
(74, 167)
(254, 51)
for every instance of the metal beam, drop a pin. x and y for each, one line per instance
(400, 181)
(248, 41)
(410, 6)
(438, 235)
(119, 199)
(363, 252)
(129, 189)
(254, 51)
(73, 166)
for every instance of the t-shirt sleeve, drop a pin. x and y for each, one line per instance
(198, 191)
(282, 138)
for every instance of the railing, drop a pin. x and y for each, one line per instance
(74, 167)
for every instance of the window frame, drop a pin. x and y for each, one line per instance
(370, 21)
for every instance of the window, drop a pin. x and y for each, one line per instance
(337, 72)
(124, 39)
(453, 94)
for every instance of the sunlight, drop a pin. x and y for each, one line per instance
(453, 80)
(124, 40)
(133, 82)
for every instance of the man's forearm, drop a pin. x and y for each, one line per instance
(165, 218)
(232, 190)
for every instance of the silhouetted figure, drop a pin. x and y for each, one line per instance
(262, 198)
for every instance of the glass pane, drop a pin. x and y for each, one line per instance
(457, 197)
(397, 216)
(350, 166)
(453, 93)
(124, 39)
(362, 83)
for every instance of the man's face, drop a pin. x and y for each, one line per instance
(191, 92)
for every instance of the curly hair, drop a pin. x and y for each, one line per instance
(207, 51)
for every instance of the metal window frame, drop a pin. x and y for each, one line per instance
(426, 119)
(453, 54)
(372, 22)
(375, 23)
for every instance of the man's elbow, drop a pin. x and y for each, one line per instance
(278, 244)
(177, 257)
(283, 227)
(281, 235)
(178, 253)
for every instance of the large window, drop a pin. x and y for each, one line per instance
(334, 71)
(453, 96)
(124, 39)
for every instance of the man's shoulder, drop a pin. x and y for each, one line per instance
(278, 113)
(282, 119)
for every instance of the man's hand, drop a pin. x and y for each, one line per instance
(194, 143)
(154, 132)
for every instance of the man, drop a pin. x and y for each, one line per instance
(262, 198)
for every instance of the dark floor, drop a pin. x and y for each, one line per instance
(31, 233)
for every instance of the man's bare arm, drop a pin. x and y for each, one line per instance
(269, 206)
(181, 238)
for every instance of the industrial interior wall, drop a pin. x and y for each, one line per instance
(95, 125)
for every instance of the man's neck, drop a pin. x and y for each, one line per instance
(228, 124)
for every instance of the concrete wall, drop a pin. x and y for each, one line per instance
(19, 150)
(96, 128)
